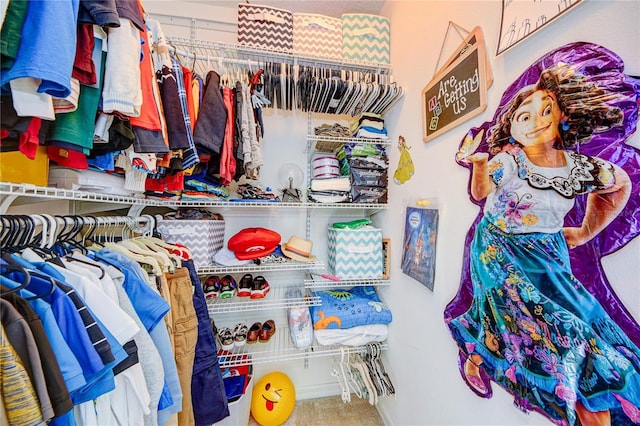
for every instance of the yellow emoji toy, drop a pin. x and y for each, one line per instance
(273, 399)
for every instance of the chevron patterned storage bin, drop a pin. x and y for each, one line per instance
(317, 35)
(355, 253)
(265, 27)
(365, 38)
(203, 237)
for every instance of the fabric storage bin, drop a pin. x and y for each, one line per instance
(18, 168)
(317, 35)
(355, 253)
(265, 27)
(202, 237)
(365, 37)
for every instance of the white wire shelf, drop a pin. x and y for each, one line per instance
(280, 348)
(233, 53)
(320, 143)
(265, 267)
(313, 283)
(276, 299)
(9, 191)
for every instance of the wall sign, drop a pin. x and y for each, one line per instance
(457, 93)
(521, 18)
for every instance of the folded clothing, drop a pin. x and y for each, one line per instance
(354, 336)
(341, 183)
(371, 133)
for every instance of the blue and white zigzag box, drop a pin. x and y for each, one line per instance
(355, 253)
(365, 37)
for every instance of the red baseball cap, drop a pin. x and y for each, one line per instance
(252, 243)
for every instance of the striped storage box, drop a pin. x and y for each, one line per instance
(317, 35)
(265, 27)
(355, 253)
(365, 38)
(204, 238)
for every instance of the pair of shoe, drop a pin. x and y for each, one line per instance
(255, 288)
(233, 338)
(214, 287)
(261, 332)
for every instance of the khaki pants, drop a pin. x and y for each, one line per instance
(184, 331)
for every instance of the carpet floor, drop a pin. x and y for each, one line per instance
(332, 411)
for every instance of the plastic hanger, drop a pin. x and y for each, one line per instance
(342, 380)
(14, 285)
(145, 260)
(354, 384)
(150, 243)
(163, 260)
(26, 280)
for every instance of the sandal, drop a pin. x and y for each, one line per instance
(260, 288)
(226, 339)
(477, 382)
(254, 332)
(240, 332)
(268, 329)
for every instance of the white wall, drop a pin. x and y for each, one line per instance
(422, 355)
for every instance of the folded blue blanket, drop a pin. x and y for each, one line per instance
(349, 308)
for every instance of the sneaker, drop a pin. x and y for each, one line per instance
(225, 336)
(260, 288)
(244, 286)
(240, 332)
(228, 287)
(211, 287)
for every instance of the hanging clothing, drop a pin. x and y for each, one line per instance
(207, 387)
(19, 335)
(18, 395)
(56, 387)
(227, 159)
(212, 118)
(185, 333)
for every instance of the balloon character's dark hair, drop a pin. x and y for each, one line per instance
(583, 104)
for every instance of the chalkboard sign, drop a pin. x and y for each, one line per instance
(457, 93)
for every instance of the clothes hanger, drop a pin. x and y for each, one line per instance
(342, 381)
(355, 384)
(361, 367)
(162, 259)
(150, 243)
(14, 286)
(144, 260)
(27, 275)
(75, 257)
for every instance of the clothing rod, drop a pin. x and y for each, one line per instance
(256, 54)
(217, 59)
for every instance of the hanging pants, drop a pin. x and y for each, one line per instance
(207, 388)
(184, 330)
